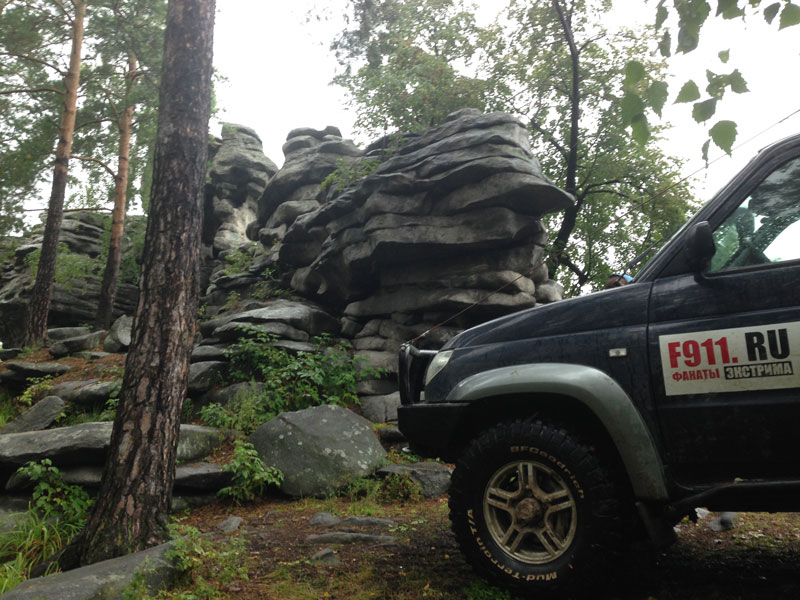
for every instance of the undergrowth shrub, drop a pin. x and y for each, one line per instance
(328, 375)
(244, 412)
(37, 387)
(56, 514)
(9, 408)
(239, 260)
(483, 590)
(250, 475)
(71, 267)
(204, 566)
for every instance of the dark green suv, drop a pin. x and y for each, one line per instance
(575, 425)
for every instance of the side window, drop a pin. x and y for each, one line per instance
(766, 227)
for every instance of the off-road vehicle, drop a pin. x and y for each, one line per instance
(574, 425)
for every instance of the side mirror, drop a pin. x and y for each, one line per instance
(700, 247)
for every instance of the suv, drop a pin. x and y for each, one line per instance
(574, 426)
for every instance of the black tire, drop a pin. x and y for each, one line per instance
(533, 509)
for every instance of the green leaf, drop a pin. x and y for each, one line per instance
(790, 15)
(771, 11)
(703, 111)
(724, 134)
(634, 73)
(716, 84)
(691, 16)
(705, 151)
(687, 39)
(729, 9)
(640, 129)
(724, 55)
(737, 82)
(631, 107)
(657, 96)
(665, 45)
(661, 14)
(689, 93)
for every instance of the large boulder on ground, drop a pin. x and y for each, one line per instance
(193, 477)
(56, 334)
(318, 449)
(76, 344)
(432, 478)
(119, 336)
(86, 392)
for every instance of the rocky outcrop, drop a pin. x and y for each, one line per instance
(468, 194)
(310, 156)
(75, 295)
(414, 238)
(238, 174)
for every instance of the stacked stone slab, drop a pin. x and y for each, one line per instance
(449, 219)
(237, 175)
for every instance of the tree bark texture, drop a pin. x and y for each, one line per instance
(132, 507)
(39, 306)
(108, 288)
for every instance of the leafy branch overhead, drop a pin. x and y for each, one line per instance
(645, 92)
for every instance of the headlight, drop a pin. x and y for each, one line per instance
(437, 364)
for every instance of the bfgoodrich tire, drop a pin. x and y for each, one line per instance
(534, 510)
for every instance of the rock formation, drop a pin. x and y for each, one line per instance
(73, 301)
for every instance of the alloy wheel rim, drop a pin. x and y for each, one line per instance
(530, 512)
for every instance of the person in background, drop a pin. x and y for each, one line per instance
(617, 280)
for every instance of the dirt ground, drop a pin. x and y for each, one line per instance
(758, 559)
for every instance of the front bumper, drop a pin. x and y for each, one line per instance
(431, 428)
(434, 430)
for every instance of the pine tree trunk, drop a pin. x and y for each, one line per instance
(108, 289)
(39, 306)
(561, 241)
(132, 506)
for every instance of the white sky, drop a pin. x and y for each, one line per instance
(278, 68)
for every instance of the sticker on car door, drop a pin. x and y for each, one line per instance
(764, 357)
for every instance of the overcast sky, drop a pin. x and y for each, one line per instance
(278, 68)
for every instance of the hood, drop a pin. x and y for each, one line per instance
(617, 307)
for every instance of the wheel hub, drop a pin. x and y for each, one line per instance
(528, 510)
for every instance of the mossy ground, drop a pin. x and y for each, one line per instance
(758, 559)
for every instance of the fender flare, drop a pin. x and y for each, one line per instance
(596, 391)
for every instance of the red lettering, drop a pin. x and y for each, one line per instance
(674, 353)
(708, 345)
(723, 348)
(691, 350)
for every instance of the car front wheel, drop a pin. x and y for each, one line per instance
(534, 509)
